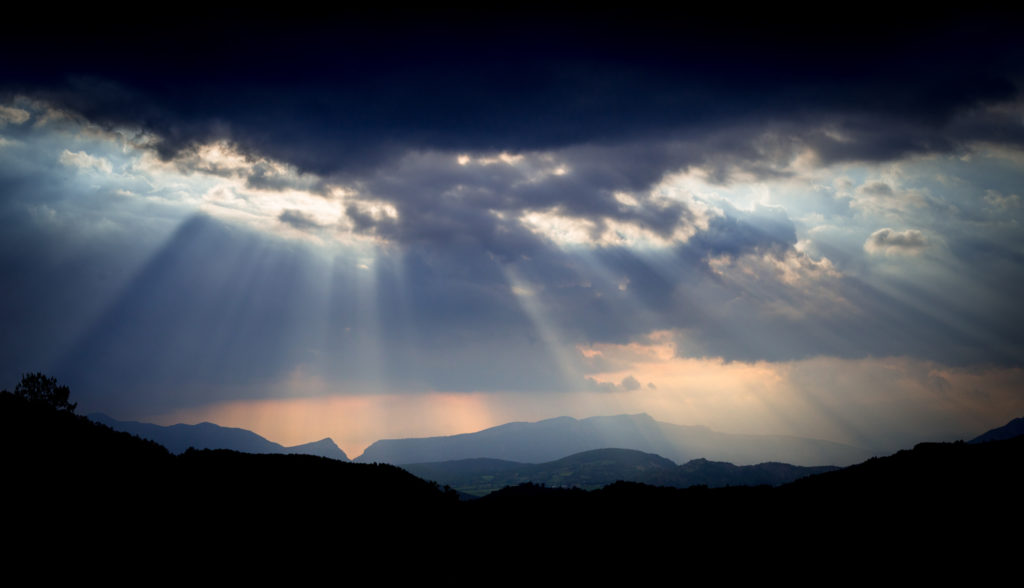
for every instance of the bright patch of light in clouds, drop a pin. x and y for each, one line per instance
(570, 231)
(13, 114)
(259, 193)
(83, 160)
(561, 229)
(213, 178)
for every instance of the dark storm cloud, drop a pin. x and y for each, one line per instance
(386, 106)
(356, 89)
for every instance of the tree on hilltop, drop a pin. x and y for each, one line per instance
(38, 388)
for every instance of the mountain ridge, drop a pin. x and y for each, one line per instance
(559, 437)
(551, 439)
(180, 437)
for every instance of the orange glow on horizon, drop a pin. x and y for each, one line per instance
(353, 422)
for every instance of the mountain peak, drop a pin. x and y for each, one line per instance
(325, 447)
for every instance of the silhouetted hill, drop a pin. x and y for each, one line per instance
(259, 483)
(57, 457)
(180, 437)
(928, 472)
(593, 469)
(956, 500)
(553, 439)
(71, 474)
(1014, 428)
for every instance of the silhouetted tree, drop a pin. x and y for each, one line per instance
(38, 388)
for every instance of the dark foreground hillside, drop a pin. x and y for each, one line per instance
(107, 500)
(101, 493)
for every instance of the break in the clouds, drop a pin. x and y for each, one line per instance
(293, 211)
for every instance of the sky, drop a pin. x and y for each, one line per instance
(366, 226)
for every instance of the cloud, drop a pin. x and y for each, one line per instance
(512, 205)
(889, 241)
(605, 387)
(877, 189)
(454, 85)
(12, 115)
(83, 160)
(299, 220)
(1000, 202)
(628, 384)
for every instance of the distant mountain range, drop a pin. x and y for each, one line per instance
(599, 467)
(553, 439)
(178, 438)
(502, 452)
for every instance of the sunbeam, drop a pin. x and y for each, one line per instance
(530, 301)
